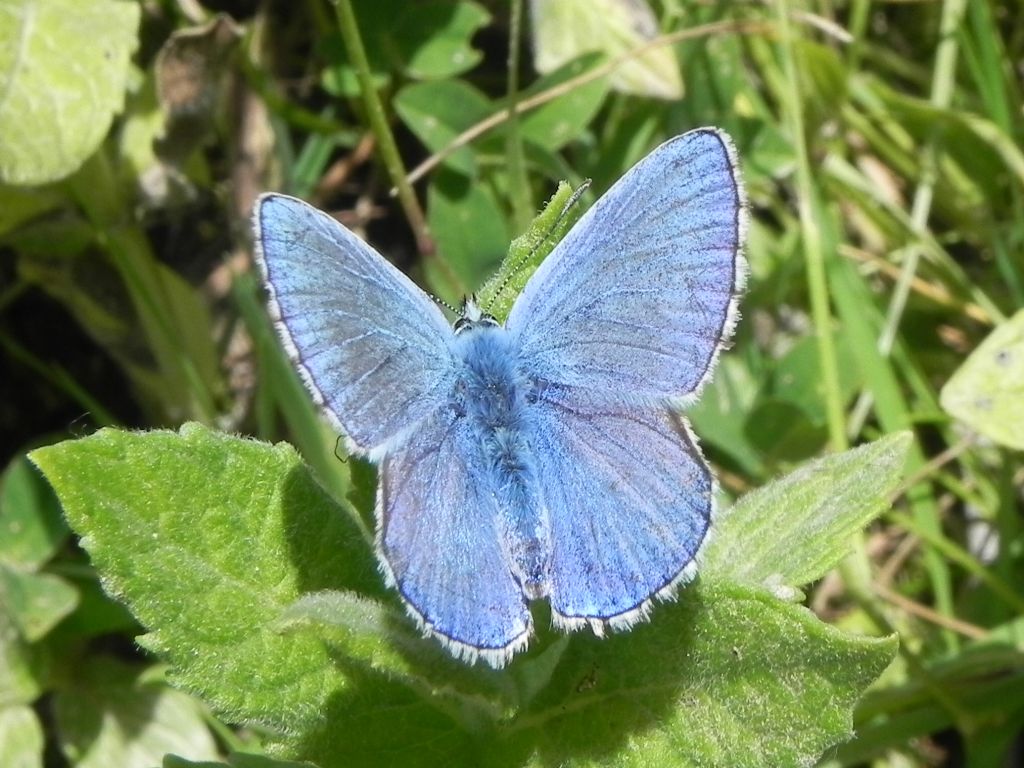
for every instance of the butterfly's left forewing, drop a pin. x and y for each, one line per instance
(371, 347)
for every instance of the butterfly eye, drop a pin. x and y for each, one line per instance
(462, 324)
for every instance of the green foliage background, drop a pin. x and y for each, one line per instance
(188, 597)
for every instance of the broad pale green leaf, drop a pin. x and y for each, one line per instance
(31, 524)
(63, 72)
(208, 538)
(21, 738)
(527, 252)
(987, 391)
(557, 122)
(439, 111)
(127, 722)
(36, 602)
(563, 29)
(794, 529)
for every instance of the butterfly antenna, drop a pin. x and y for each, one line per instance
(441, 302)
(573, 199)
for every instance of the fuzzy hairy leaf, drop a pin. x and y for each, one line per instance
(791, 531)
(262, 594)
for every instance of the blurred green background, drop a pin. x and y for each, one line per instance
(881, 147)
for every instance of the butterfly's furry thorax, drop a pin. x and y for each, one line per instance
(491, 388)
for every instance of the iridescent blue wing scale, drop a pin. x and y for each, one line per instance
(635, 303)
(438, 537)
(373, 349)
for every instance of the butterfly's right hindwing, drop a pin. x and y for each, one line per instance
(373, 349)
(629, 498)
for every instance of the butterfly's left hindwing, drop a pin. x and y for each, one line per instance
(373, 349)
(437, 533)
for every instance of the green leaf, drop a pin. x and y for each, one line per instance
(527, 252)
(987, 391)
(557, 122)
(21, 738)
(457, 205)
(208, 538)
(32, 527)
(266, 601)
(235, 760)
(707, 682)
(435, 37)
(791, 531)
(564, 29)
(439, 111)
(64, 68)
(23, 667)
(107, 715)
(380, 638)
(36, 602)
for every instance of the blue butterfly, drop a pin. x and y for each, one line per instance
(542, 459)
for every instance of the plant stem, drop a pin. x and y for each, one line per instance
(380, 127)
(813, 243)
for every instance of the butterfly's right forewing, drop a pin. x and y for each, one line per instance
(372, 348)
(638, 299)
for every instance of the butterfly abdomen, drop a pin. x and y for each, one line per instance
(492, 395)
